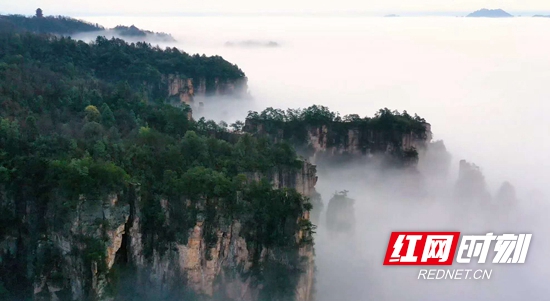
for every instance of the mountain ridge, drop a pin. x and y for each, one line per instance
(489, 13)
(67, 26)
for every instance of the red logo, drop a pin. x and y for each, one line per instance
(421, 248)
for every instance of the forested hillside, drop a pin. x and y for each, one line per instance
(83, 123)
(47, 24)
(316, 131)
(141, 65)
(108, 191)
(67, 26)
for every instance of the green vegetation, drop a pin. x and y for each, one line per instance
(138, 67)
(61, 25)
(132, 31)
(372, 133)
(50, 24)
(82, 122)
(340, 213)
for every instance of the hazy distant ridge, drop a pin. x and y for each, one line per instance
(133, 31)
(62, 25)
(49, 24)
(490, 13)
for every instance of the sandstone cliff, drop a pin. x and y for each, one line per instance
(338, 142)
(101, 251)
(471, 186)
(195, 92)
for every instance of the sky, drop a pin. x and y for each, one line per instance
(127, 7)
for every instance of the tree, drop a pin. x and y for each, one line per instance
(128, 142)
(31, 128)
(92, 131)
(351, 118)
(222, 125)
(318, 115)
(39, 13)
(92, 113)
(107, 116)
(273, 114)
(237, 126)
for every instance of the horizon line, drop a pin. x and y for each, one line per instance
(283, 14)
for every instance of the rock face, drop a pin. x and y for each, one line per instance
(470, 186)
(75, 260)
(323, 143)
(357, 142)
(506, 196)
(303, 180)
(192, 92)
(106, 242)
(434, 160)
(340, 214)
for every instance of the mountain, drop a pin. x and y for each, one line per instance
(490, 13)
(110, 191)
(323, 136)
(51, 24)
(67, 26)
(132, 31)
(252, 44)
(541, 16)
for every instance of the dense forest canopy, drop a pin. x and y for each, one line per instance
(77, 124)
(83, 122)
(374, 133)
(50, 24)
(321, 115)
(66, 26)
(133, 31)
(142, 66)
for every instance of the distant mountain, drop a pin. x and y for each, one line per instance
(132, 31)
(490, 13)
(391, 16)
(252, 43)
(65, 26)
(50, 24)
(541, 16)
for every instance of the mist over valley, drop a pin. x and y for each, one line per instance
(275, 163)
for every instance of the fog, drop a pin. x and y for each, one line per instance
(153, 38)
(481, 83)
(350, 266)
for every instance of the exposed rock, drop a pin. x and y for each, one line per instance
(434, 160)
(340, 213)
(82, 256)
(470, 186)
(325, 144)
(216, 270)
(195, 93)
(506, 196)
